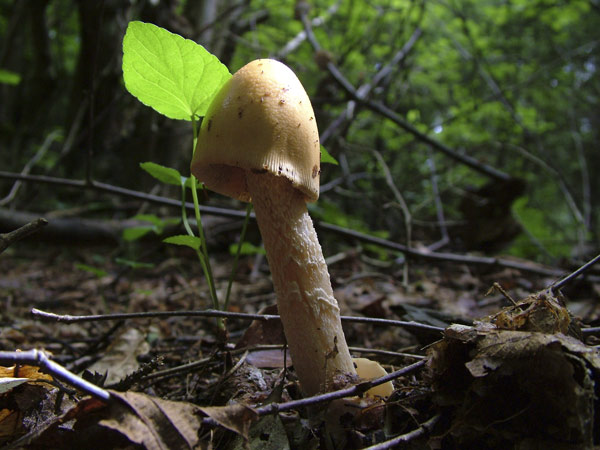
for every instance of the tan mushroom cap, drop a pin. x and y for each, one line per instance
(261, 120)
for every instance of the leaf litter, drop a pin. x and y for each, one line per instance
(499, 375)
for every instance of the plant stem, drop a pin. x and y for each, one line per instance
(203, 251)
(184, 218)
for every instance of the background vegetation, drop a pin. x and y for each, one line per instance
(475, 120)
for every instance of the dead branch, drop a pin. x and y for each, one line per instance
(412, 435)
(225, 212)
(40, 359)
(67, 318)
(566, 280)
(6, 239)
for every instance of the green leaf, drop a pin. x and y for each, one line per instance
(135, 233)
(247, 249)
(173, 75)
(9, 77)
(151, 218)
(326, 158)
(163, 174)
(183, 239)
(98, 272)
(134, 264)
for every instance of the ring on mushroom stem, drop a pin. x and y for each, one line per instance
(259, 142)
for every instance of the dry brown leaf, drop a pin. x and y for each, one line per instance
(236, 417)
(10, 424)
(154, 423)
(518, 386)
(120, 359)
(269, 359)
(31, 372)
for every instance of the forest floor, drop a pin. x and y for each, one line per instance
(179, 382)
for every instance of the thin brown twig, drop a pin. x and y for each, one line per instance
(67, 318)
(374, 351)
(356, 390)
(410, 436)
(559, 284)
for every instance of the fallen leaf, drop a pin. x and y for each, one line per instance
(32, 373)
(7, 384)
(155, 423)
(120, 359)
(10, 424)
(266, 434)
(236, 417)
(518, 386)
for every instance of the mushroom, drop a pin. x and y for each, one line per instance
(259, 142)
(370, 370)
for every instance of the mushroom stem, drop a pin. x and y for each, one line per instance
(307, 307)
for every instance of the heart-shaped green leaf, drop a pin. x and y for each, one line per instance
(173, 75)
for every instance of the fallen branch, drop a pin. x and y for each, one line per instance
(7, 239)
(40, 359)
(356, 390)
(67, 318)
(232, 213)
(566, 280)
(410, 436)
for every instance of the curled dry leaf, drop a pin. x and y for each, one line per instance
(521, 387)
(543, 311)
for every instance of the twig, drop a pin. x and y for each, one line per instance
(365, 89)
(297, 40)
(439, 207)
(559, 284)
(358, 389)
(422, 430)
(439, 256)
(27, 168)
(7, 239)
(401, 202)
(385, 353)
(214, 313)
(39, 359)
(591, 330)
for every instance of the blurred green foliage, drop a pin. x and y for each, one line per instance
(513, 84)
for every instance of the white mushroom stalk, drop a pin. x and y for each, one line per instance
(308, 309)
(259, 142)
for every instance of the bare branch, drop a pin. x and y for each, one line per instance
(40, 359)
(225, 212)
(32, 162)
(6, 239)
(559, 284)
(214, 313)
(422, 430)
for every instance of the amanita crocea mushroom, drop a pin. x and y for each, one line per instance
(259, 142)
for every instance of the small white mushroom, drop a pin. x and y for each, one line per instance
(259, 142)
